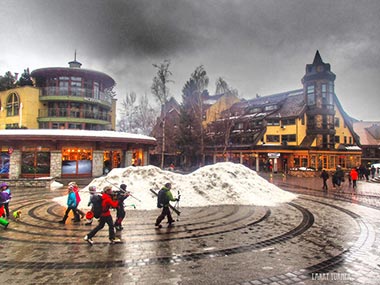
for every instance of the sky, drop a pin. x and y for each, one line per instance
(257, 46)
(221, 183)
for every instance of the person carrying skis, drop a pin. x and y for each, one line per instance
(105, 217)
(168, 196)
(120, 212)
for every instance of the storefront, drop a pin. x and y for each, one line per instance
(70, 153)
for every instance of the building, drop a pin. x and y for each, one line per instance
(62, 127)
(369, 141)
(305, 128)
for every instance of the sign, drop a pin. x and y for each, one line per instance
(274, 155)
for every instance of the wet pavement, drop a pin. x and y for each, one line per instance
(319, 238)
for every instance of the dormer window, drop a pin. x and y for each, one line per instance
(270, 107)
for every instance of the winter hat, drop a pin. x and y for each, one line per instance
(107, 188)
(123, 188)
(3, 185)
(92, 189)
(73, 183)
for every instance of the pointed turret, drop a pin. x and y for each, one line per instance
(75, 63)
(318, 70)
(317, 59)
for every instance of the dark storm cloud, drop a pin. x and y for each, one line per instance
(259, 46)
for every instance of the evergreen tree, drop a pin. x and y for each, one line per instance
(25, 79)
(8, 81)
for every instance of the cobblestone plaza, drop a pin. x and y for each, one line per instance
(318, 238)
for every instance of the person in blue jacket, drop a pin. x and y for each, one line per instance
(71, 206)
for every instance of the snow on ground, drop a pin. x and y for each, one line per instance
(220, 183)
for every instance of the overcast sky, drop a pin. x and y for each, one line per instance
(257, 46)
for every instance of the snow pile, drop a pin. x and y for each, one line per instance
(221, 183)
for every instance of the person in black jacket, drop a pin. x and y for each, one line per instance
(324, 176)
(120, 211)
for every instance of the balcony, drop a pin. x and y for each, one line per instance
(75, 94)
(64, 114)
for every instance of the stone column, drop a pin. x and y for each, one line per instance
(97, 163)
(55, 163)
(128, 158)
(15, 164)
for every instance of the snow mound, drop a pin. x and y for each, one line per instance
(217, 184)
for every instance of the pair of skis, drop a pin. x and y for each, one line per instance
(175, 209)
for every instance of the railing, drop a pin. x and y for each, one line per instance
(76, 92)
(64, 112)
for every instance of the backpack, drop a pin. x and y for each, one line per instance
(96, 201)
(162, 198)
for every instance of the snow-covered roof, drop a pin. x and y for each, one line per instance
(74, 134)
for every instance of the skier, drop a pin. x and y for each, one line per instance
(166, 198)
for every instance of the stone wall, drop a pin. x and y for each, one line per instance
(30, 183)
(300, 173)
(55, 163)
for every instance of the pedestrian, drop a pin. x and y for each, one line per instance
(373, 171)
(339, 176)
(324, 176)
(165, 206)
(78, 199)
(120, 211)
(71, 206)
(354, 177)
(3, 222)
(105, 217)
(6, 196)
(90, 214)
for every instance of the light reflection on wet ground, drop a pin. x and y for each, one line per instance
(319, 238)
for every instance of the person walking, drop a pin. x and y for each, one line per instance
(90, 214)
(339, 176)
(105, 218)
(324, 176)
(120, 211)
(71, 206)
(165, 206)
(6, 196)
(354, 177)
(77, 197)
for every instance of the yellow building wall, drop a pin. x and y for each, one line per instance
(297, 129)
(28, 113)
(342, 131)
(224, 103)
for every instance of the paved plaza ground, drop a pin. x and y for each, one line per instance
(318, 238)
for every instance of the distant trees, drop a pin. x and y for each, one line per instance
(25, 79)
(8, 81)
(136, 117)
(160, 90)
(191, 118)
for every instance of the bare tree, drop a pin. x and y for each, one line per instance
(136, 118)
(161, 91)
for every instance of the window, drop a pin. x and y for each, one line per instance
(288, 122)
(337, 124)
(273, 138)
(288, 138)
(96, 90)
(273, 122)
(310, 95)
(270, 108)
(337, 139)
(35, 162)
(13, 105)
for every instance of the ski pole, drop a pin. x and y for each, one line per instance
(129, 193)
